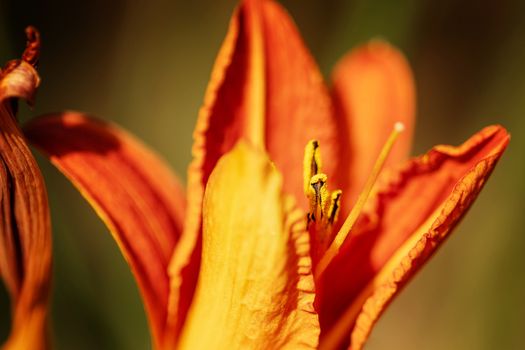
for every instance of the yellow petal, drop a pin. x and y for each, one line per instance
(255, 288)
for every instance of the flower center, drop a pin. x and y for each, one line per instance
(324, 205)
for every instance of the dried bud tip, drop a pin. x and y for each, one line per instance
(32, 51)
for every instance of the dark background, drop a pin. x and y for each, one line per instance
(145, 65)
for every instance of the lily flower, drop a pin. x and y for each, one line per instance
(303, 216)
(25, 234)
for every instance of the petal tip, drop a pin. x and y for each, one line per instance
(376, 49)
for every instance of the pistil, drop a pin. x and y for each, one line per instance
(347, 226)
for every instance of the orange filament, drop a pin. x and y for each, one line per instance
(343, 233)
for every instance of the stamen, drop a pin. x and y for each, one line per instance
(318, 195)
(335, 204)
(339, 239)
(311, 163)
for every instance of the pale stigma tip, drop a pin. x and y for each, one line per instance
(399, 127)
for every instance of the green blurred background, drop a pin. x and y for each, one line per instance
(145, 65)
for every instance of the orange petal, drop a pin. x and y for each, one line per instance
(25, 235)
(255, 288)
(233, 93)
(298, 105)
(132, 190)
(414, 210)
(372, 89)
(266, 89)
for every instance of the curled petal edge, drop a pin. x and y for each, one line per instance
(365, 309)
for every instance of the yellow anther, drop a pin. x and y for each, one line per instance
(335, 205)
(311, 163)
(339, 239)
(318, 196)
(324, 205)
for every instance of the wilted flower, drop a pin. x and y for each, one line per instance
(25, 236)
